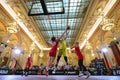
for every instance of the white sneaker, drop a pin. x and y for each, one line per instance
(26, 73)
(54, 70)
(80, 74)
(88, 74)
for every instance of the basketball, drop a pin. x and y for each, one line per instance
(68, 27)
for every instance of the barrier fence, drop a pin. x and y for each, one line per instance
(58, 72)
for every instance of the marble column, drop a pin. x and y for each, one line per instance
(116, 52)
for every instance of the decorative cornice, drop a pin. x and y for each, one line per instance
(94, 17)
(22, 16)
(4, 16)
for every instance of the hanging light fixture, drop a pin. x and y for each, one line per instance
(12, 27)
(107, 24)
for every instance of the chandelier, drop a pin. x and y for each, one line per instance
(12, 27)
(107, 24)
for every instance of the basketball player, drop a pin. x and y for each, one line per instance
(80, 60)
(3, 43)
(62, 49)
(28, 65)
(53, 50)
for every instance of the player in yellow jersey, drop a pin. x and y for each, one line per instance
(62, 49)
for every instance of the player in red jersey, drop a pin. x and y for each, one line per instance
(29, 62)
(53, 50)
(80, 60)
(28, 65)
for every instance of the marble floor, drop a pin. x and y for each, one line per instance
(56, 77)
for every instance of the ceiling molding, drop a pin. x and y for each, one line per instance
(32, 24)
(15, 10)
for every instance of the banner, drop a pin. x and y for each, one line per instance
(4, 71)
(36, 72)
(30, 72)
(116, 71)
(59, 72)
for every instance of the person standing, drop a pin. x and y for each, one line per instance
(78, 52)
(3, 43)
(53, 50)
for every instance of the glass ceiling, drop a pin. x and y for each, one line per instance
(55, 24)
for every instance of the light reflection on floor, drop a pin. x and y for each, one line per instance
(56, 77)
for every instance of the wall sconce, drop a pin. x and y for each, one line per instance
(104, 49)
(88, 45)
(41, 54)
(32, 46)
(93, 54)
